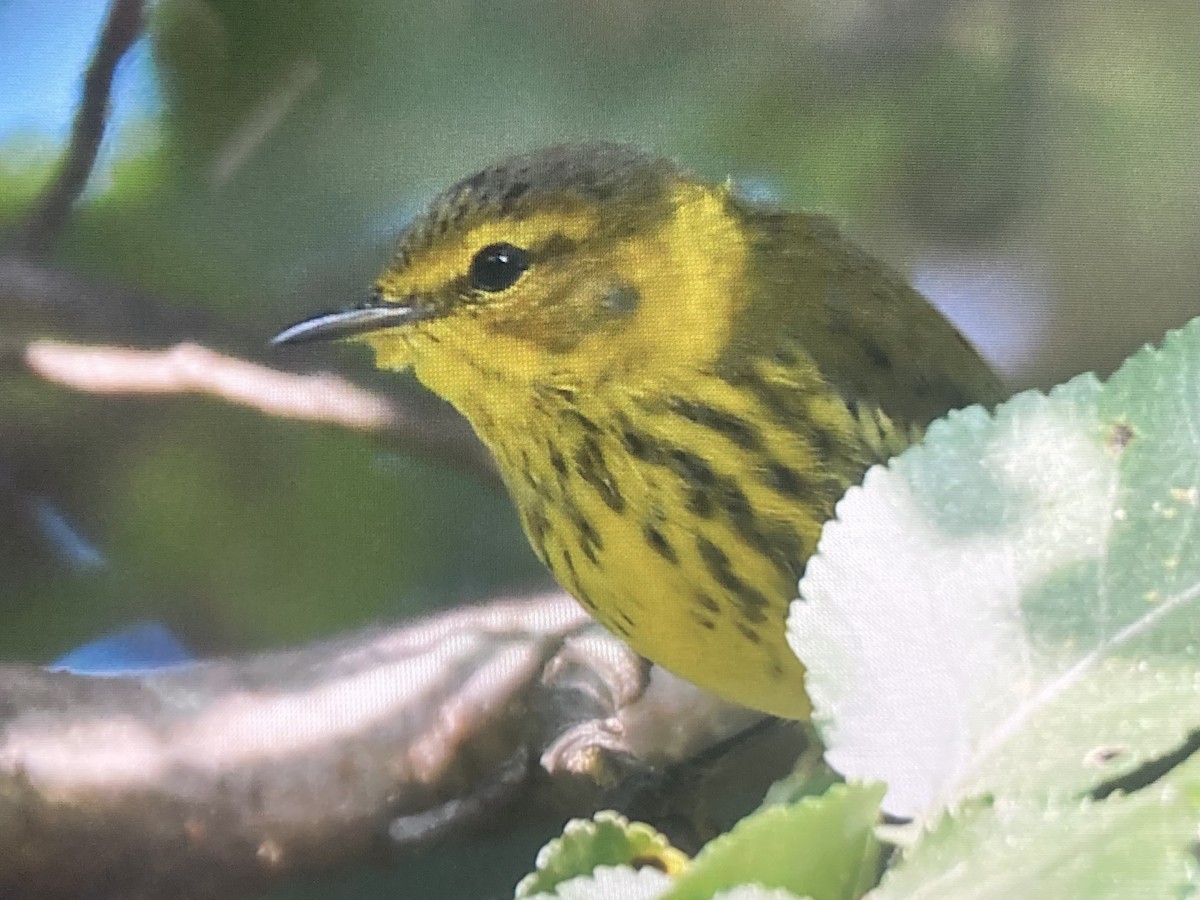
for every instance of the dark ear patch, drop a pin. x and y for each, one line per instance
(621, 299)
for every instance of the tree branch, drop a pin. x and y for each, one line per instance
(221, 778)
(45, 222)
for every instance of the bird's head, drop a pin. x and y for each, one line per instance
(570, 265)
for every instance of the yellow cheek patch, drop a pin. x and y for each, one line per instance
(690, 274)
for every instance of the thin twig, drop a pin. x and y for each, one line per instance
(192, 369)
(264, 119)
(45, 222)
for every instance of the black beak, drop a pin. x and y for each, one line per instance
(332, 326)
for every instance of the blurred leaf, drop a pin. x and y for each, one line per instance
(240, 531)
(1137, 845)
(822, 847)
(608, 883)
(755, 892)
(607, 839)
(1010, 607)
(27, 162)
(810, 775)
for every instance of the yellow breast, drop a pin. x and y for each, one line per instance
(681, 517)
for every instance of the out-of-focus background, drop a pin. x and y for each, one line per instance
(1032, 165)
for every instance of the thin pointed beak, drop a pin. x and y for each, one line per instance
(351, 322)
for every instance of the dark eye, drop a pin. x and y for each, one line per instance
(498, 266)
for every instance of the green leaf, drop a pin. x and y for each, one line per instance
(755, 892)
(822, 847)
(1138, 845)
(609, 882)
(810, 775)
(1011, 607)
(607, 839)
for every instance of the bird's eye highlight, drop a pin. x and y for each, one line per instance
(497, 267)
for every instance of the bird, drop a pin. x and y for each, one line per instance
(677, 383)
